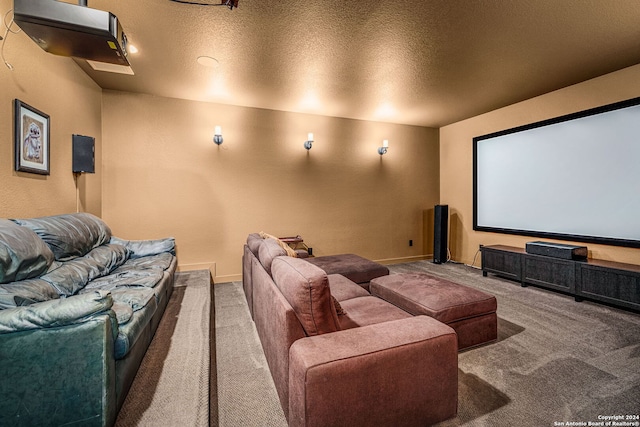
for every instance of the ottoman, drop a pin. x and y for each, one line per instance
(351, 266)
(470, 312)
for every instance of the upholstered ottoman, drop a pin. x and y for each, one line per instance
(470, 312)
(351, 266)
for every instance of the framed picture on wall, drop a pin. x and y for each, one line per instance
(31, 139)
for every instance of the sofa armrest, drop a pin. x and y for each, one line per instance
(54, 313)
(398, 372)
(61, 375)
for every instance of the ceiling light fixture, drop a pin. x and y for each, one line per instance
(229, 3)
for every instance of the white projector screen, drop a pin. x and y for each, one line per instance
(575, 177)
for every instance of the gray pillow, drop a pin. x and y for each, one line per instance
(71, 235)
(143, 248)
(23, 255)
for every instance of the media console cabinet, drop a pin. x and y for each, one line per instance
(609, 282)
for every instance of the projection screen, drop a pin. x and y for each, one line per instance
(575, 177)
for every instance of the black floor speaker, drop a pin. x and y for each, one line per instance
(83, 154)
(440, 233)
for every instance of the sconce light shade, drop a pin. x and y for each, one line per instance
(309, 142)
(385, 146)
(217, 137)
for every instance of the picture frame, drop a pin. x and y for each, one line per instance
(31, 139)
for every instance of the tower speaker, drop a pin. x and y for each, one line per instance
(440, 233)
(83, 154)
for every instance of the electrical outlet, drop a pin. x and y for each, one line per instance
(410, 242)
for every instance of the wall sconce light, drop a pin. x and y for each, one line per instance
(217, 136)
(385, 146)
(309, 142)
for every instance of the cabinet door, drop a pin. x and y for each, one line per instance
(550, 273)
(503, 263)
(618, 287)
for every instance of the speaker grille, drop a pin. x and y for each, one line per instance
(83, 154)
(440, 233)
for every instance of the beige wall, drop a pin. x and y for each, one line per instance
(163, 175)
(456, 162)
(58, 87)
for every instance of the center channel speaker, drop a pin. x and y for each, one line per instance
(83, 154)
(440, 233)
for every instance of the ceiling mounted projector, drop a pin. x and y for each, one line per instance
(73, 30)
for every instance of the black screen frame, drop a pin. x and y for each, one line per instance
(560, 236)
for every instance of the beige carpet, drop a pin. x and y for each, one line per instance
(171, 387)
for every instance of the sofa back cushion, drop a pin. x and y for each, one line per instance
(23, 255)
(267, 252)
(306, 288)
(70, 235)
(71, 276)
(253, 242)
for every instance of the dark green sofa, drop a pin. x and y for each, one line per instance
(78, 309)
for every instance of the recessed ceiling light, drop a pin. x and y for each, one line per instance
(208, 61)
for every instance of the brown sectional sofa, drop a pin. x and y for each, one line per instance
(375, 364)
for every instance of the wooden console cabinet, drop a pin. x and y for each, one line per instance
(609, 282)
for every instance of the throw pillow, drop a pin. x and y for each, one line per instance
(23, 255)
(290, 252)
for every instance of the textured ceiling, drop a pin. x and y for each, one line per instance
(427, 63)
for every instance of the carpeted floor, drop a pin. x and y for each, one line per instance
(171, 387)
(246, 393)
(555, 361)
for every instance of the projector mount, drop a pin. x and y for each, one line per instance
(229, 3)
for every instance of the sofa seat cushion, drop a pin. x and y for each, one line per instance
(130, 331)
(471, 312)
(421, 293)
(23, 255)
(73, 275)
(70, 235)
(343, 289)
(26, 292)
(306, 288)
(353, 267)
(369, 310)
(126, 278)
(140, 273)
